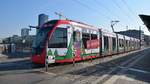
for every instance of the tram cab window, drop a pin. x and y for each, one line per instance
(106, 43)
(58, 39)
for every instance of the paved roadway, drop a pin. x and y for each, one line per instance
(121, 69)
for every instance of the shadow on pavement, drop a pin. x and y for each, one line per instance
(25, 64)
(17, 55)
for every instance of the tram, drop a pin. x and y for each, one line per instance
(60, 41)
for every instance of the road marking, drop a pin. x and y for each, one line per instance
(113, 79)
(48, 73)
(134, 69)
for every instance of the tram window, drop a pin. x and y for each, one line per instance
(93, 36)
(123, 43)
(76, 36)
(59, 39)
(130, 43)
(126, 43)
(120, 42)
(85, 38)
(106, 43)
(114, 43)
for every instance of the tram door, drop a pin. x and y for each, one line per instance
(77, 43)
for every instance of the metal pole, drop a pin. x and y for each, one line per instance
(112, 27)
(140, 36)
(127, 27)
(113, 23)
(46, 59)
(46, 65)
(61, 15)
(73, 53)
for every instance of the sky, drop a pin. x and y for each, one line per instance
(17, 14)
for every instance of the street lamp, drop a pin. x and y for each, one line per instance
(113, 23)
(23, 42)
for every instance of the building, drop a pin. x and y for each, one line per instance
(1, 40)
(42, 18)
(1, 46)
(24, 32)
(134, 33)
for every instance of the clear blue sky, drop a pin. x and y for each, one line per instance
(17, 14)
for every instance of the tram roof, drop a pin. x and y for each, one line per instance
(75, 23)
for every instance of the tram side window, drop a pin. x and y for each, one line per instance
(106, 43)
(126, 43)
(123, 43)
(114, 43)
(74, 34)
(120, 42)
(93, 36)
(135, 44)
(131, 43)
(85, 38)
(59, 39)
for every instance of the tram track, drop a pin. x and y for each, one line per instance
(98, 73)
(117, 69)
(96, 76)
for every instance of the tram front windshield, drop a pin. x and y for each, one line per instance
(58, 39)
